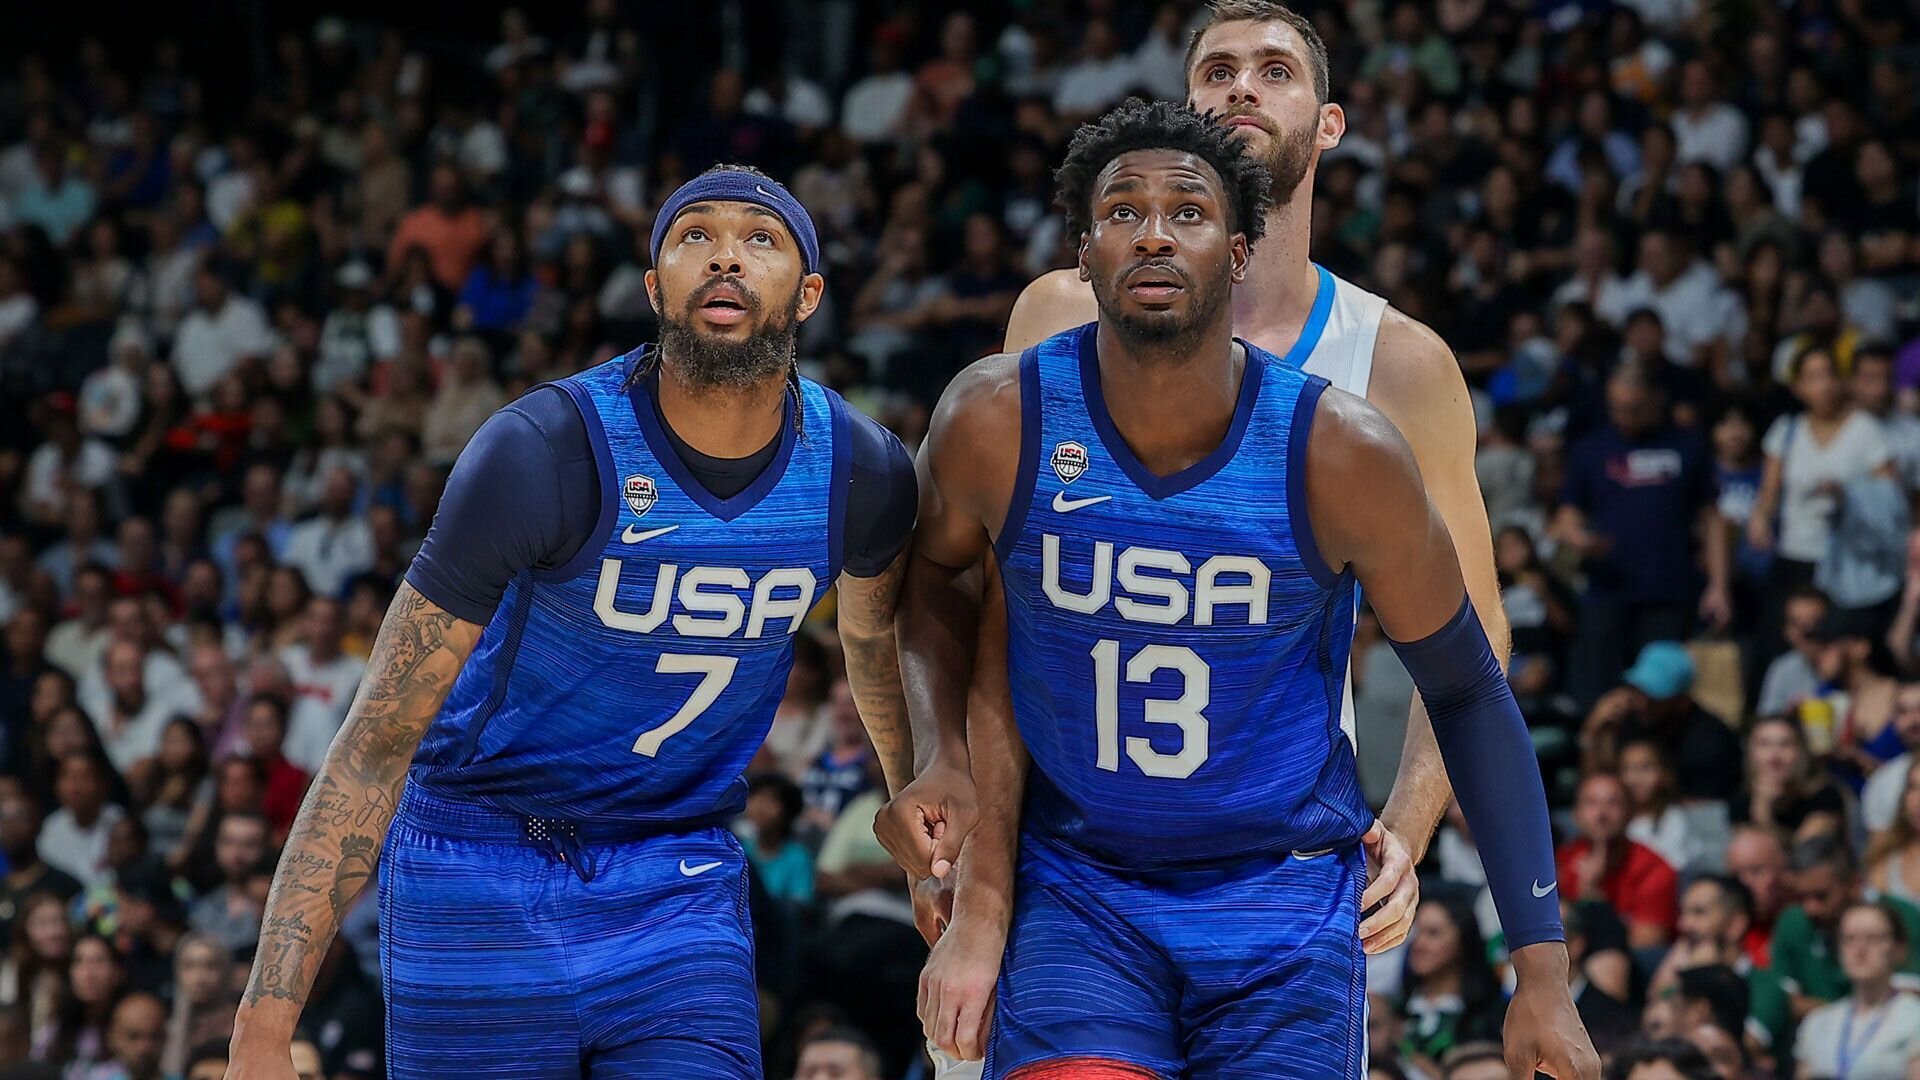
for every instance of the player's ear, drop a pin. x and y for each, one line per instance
(651, 279)
(1333, 126)
(811, 287)
(1237, 258)
(1080, 257)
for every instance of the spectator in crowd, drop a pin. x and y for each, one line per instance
(1474, 1061)
(73, 839)
(27, 873)
(1880, 799)
(1786, 788)
(1659, 1059)
(802, 727)
(448, 230)
(1757, 858)
(1716, 917)
(1451, 995)
(335, 543)
(1873, 945)
(171, 782)
(1607, 1019)
(203, 1001)
(131, 719)
(223, 330)
(1806, 953)
(96, 980)
(34, 974)
(784, 865)
(468, 395)
(1638, 492)
(1792, 676)
(135, 1036)
(356, 335)
(1656, 702)
(207, 1062)
(1657, 822)
(323, 678)
(840, 772)
(1893, 856)
(838, 1053)
(1603, 865)
(230, 914)
(285, 784)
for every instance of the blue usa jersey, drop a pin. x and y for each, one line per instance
(1177, 647)
(635, 682)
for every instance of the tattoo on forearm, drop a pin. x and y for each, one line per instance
(335, 842)
(873, 669)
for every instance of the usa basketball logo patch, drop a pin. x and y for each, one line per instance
(640, 493)
(1069, 461)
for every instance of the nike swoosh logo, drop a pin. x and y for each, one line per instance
(1305, 856)
(763, 191)
(1541, 891)
(632, 535)
(1064, 505)
(695, 871)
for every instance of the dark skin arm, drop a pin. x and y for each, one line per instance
(867, 634)
(1397, 545)
(336, 839)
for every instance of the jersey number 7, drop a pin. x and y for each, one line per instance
(715, 673)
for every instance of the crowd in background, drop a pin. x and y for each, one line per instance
(1675, 245)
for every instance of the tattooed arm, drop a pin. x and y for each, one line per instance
(336, 839)
(873, 666)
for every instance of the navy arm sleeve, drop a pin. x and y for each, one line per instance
(523, 494)
(1495, 776)
(883, 500)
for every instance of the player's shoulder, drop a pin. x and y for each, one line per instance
(1056, 300)
(1410, 360)
(979, 414)
(1351, 431)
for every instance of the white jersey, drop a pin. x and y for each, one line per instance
(1342, 354)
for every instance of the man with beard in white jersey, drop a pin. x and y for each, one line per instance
(1260, 67)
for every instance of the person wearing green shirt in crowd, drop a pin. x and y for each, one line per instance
(766, 831)
(1716, 913)
(1805, 955)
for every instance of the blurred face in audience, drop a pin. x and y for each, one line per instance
(1632, 405)
(213, 674)
(1803, 613)
(1822, 892)
(827, 1060)
(1733, 438)
(49, 933)
(1816, 384)
(50, 691)
(93, 975)
(19, 825)
(1601, 808)
(1704, 915)
(1906, 715)
(1435, 946)
(1869, 953)
(265, 729)
(239, 846)
(1643, 773)
(1482, 1069)
(1259, 78)
(239, 788)
(80, 787)
(200, 972)
(1719, 1049)
(1774, 757)
(137, 1034)
(67, 733)
(126, 667)
(1758, 861)
(1871, 387)
(1910, 799)
(208, 1070)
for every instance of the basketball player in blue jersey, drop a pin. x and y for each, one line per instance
(584, 656)
(1180, 520)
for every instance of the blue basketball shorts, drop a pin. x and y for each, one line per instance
(1252, 969)
(500, 961)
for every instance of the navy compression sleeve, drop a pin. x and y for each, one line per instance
(1495, 776)
(883, 500)
(522, 494)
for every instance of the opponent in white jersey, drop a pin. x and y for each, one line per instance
(1260, 66)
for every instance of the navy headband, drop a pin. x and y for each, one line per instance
(733, 185)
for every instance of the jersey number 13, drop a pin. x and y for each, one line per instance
(1183, 712)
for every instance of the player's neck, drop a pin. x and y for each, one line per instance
(1172, 403)
(1281, 280)
(723, 423)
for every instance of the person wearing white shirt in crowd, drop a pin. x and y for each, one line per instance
(221, 331)
(1880, 800)
(1700, 314)
(1811, 455)
(335, 543)
(1100, 78)
(1594, 283)
(324, 680)
(160, 673)
(357, 334)
(1704, 127)
(1792, 677)
(110, 397)
(66, 463)
(73, 839)
(132, 718)
(1873, 1032)
(1871, 389)
(163, 291)
(1869, 304)
(873, 108)
(801, 102)
(74, 645)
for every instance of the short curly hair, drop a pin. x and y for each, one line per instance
(1161, 125)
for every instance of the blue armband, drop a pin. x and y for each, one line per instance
(1495, 775)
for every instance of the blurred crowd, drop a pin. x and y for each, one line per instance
(1675, 245)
